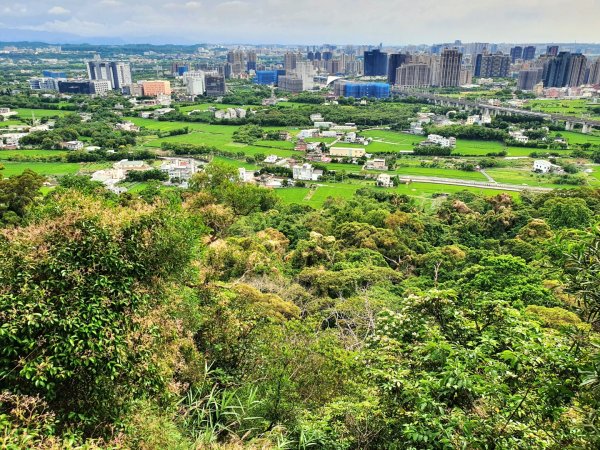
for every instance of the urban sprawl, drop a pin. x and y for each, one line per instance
(441, 94)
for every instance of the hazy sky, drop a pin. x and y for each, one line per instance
(312, 21)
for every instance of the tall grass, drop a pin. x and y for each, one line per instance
(213, 414)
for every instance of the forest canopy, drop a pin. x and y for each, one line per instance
(219, 317)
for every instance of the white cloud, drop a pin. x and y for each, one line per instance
(193, 5)
(73, 25)
(316, 21)
(15, 10)
(58, 11)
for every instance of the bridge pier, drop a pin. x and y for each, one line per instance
(489, 110)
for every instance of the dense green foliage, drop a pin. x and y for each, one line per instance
(98, 132)
(222, 318)
(219, 317)
(146, 175)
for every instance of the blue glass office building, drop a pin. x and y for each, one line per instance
(53, 74)
(369, 90)
(266, 77)
(375, 63)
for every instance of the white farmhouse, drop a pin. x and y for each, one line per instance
(442, 141)
(306, 172)
(350, 138)
(110, 178)
(303, 134)
(72, 145)
(179, 168)
(385, 180)
(542, 166)
(519, 136)
(246, 176)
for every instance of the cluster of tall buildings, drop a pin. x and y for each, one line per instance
(239, 61)
(295, 70)
(118, 73)
(298, 77)
(103, 76)
(558, 69)
(526, 53)
(325, 62)
(564, 69)
(419, 70)
(209, 83)
(449, 67)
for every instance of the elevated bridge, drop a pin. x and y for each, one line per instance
(587, 124)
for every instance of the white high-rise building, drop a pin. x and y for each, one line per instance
(101, 87)
(118, 73)
(306, 72)
(121, 74)
(195, 82)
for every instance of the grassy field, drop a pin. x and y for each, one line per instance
(293, 195)
(205, 106)
(5, 154)
(578, 107)
(413, 170)
(595, 175)
(522, 176)
(478, 148)
(8, 123)
(25, 113)
(50, 169)
(234, 162)
(394, 137)
(152, 124)
(221, 136)
(439, 173)
(579, 138)
(422, 192)
(385, 141)
(284, 145)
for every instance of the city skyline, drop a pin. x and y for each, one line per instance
(309, 22)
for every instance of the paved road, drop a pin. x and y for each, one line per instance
(479, 184)
(485, 174)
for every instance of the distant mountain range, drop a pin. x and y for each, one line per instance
(15, 35)
(49, 37)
